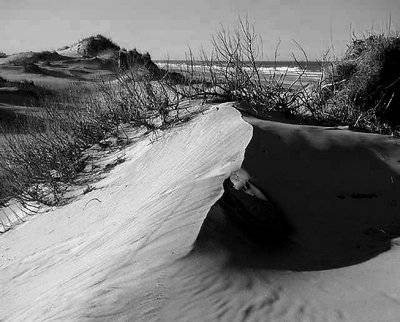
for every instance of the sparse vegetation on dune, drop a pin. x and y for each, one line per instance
(360, 90)
(134, 97)
(42, 154)
(94, 45)
(42, 149)
(33, 57)
(23, 93)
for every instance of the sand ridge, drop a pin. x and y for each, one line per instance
(91, 262)
(131, 249)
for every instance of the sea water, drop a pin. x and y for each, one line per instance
(310, 69)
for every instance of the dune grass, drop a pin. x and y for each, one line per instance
(94, 45)
(42, 154)
(366, 81)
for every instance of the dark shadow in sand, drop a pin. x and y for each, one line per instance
(342, 201)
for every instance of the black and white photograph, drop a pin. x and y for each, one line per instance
(209, 160)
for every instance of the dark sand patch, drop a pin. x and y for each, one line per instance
(304, 170)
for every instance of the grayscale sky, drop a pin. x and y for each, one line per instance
(166, 28)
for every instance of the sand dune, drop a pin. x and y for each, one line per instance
(340, 190)
(131, 250)
(90, 47)
(337, 187)
(97, 256)
(31, 57)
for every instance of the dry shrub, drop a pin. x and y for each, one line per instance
(232, 72)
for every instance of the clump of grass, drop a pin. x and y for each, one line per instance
(362, 89)
(89, 188)
(92, 46)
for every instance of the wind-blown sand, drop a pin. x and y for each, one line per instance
(127, 251)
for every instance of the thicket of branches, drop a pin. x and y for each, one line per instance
(232, 72)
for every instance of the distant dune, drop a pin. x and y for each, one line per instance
(91, 47)
(31, 57)
(86, 60)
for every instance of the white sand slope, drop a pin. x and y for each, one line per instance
(104, 256)
(127, 251)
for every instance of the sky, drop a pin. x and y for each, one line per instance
(167, 28)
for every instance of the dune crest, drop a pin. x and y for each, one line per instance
(141, 247)
(105, 255)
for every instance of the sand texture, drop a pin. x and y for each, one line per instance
(131, 251)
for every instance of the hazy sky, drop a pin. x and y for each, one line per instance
(168, 27)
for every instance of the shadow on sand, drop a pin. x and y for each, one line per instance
(339, 193)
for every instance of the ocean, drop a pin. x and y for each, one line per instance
(310, 69)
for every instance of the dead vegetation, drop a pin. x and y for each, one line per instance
(42, 155)
(359, 90)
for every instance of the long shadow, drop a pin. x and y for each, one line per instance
(341, 198)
